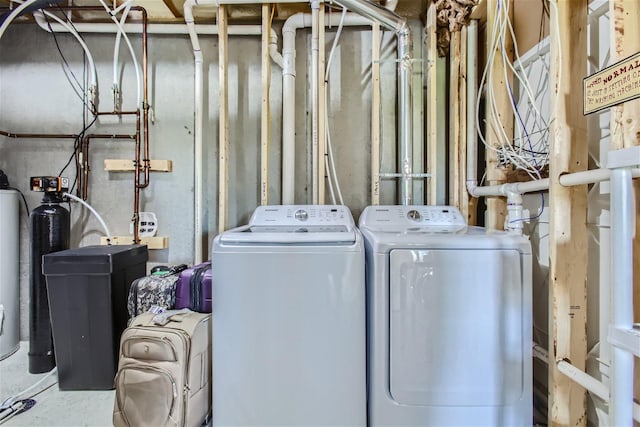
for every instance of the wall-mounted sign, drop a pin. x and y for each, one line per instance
(613, 85)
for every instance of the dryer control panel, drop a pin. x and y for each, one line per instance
(447, 218)
(317, 218)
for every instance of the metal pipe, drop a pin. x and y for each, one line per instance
(397, 23)
(291, 25)
(38, 135)
(198, 152)
(622, 233)
(145, 97)
(472, 93)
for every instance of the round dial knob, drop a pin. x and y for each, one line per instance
(301, 215)
(413, 215)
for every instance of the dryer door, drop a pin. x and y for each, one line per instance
(456, 327)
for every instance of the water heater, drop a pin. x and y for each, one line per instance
(9, 273)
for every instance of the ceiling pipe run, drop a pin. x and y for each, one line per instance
(397, 23)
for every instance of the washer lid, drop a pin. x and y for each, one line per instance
(296, 224)
(438, 219)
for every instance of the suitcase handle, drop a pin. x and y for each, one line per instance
(170, 316)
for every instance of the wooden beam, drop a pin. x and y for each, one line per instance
(223, 141)
(375, 114)
(496, 175)
(125, 165)
(625, 129)
(172, 7)
(265, 133)
(431, 118)
(463, 195)
(454, 119)
(568, 214)
(322, 106)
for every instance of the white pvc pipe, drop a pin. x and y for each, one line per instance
(198, 152)
(93, 87)
(94, 212)
(622, 233)
(116, 54)
(152, 28)
(136, 66)
(291, 25)
(472, 82)
(587, 381)
(13, 15)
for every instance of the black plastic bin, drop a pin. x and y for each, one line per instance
(88, 290)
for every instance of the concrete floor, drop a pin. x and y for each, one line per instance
(53, 407)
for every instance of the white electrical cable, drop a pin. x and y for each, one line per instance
(530, 151)
(94, 212)
(11, 400)
(136, 65)
(330, 163)
(116, 49)
(13, 15)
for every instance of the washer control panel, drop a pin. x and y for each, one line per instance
(447, 218)
(328, 218)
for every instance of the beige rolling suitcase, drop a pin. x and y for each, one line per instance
(164, 371)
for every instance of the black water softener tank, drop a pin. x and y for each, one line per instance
(50, 231)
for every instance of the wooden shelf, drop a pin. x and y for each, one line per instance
(124, 165)
(156, 242)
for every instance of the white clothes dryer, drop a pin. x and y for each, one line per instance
(449, 320)
(289, 320)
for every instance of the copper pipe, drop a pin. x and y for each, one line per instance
(37, 135)
(136, 191)
(85, 157)
(145, 99)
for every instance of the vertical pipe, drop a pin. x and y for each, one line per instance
(472, 96)
(622, 231)
(289, 106)
(405, 157)
(375, 114)
(315, 23)
(223, 169)
(322, 100)
(265, 133)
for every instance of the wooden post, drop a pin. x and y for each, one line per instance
(625, 128)
(375, 114)
(454, 119)
(322, 106)
(431, 117)
(265, 133)
(497, 206)
(568, 214)
(223, 143)
(463, 196)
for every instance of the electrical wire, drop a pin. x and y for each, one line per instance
(531, 151)
(11, 400)
(330, 164)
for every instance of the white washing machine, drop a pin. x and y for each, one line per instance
(449, 320)
(289, 320)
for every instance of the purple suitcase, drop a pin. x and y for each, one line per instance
(193, 289)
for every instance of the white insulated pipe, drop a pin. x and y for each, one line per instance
(397, 23)
(289, 29)
(198, 129)
(585, 380)
(622, 233)
(152, 28)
